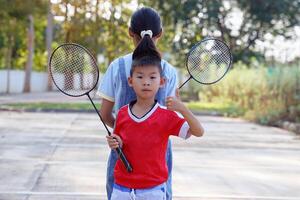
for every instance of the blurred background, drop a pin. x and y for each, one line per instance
(61, 152)
(263, 35)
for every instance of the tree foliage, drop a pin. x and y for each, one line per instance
(14, 24)
(102, 26)
(240, 23)
(99, 25)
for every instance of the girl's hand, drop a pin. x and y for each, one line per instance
(114, 141)
(174, 103)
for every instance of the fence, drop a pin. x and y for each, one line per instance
(13, 81)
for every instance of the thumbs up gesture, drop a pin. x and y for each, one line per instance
(174, 103)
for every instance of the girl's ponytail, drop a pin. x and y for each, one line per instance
(146, 47)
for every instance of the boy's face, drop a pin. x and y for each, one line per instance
(146, 81)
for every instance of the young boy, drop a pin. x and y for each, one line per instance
(143, 127)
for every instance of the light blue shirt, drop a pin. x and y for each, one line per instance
(110, 85)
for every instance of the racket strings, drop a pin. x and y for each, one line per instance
(199, 65)
(208, 61)
(73, 70)
(225, 55)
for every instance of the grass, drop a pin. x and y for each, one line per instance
(225, 109)
(220, 108)
(49, 106)
(263, 95)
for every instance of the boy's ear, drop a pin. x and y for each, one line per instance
(162, 82)
(130, 81)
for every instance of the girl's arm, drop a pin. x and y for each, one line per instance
(106, 112)
(174, 103)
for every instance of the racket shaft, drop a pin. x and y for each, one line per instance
(185, 82)
(123, 159)
(119, 151)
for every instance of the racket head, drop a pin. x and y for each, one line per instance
(208, 61)
(73, 69)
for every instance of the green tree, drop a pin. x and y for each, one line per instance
(194, 19)
(99, 25)
(11, 23)
(16, 17)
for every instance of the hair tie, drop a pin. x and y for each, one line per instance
(148, 32)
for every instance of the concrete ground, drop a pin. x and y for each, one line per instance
(62, 156)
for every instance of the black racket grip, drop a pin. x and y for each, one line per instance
(123, 159)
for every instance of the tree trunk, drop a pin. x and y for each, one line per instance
(30, 47)
(49, 37)
(68, 73)
(96, 37)
(8, 61)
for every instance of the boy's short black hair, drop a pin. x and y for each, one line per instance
(146, 61)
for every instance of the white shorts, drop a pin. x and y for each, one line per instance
(123, 193)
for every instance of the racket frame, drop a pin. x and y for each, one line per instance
(94, 62)
(193, 48)
(119, 150)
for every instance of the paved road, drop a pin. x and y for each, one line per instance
(63, 156)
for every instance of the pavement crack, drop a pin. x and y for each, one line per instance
(46, 165)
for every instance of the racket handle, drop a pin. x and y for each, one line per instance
(123, 159)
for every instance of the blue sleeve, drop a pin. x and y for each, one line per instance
(172, 82)
(107, 85)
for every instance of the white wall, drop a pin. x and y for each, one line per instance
(38, 82)
(3, 80)
(16, 81)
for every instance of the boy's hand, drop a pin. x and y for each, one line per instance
(114, 141)
(174, 103)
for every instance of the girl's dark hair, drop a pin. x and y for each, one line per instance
(146, 52)
(145, 19)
